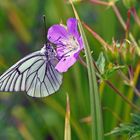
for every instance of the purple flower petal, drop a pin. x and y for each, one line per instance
(56, 33)
(80, 41)
(72, 27)
(65, 63)
(76, 55)
(60, 51)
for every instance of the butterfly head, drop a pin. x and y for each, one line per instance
(49, 51)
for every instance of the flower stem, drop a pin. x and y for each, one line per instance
(99, 2)
(122, 96)
(136, 17)
(99, 38)
(82, 61)
(115, 9)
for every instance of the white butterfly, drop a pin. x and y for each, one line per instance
(35, 74)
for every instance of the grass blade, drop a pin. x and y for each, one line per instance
(96, 114)
(67, 135)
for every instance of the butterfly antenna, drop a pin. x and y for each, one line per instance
(45, 28)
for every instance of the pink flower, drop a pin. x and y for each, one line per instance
(68, 43)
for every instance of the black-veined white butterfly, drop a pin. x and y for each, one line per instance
(35, 74)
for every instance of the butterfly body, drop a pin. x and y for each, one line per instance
(35, 74)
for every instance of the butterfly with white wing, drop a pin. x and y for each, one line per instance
(35, 74)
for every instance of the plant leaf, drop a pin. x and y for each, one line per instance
(101, 63)
(135, 136)
(131, 129)
(110, 70)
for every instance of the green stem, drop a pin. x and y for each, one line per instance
(123, 97)
(129, 82)
(99, 2)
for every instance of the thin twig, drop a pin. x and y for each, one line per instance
(121, 95)
(96, 67)
(136, 91)
(113, 113)
(82, 61)
(136, 17)
(100, 2)
(129, 82)
(99, 38)
(114, 7)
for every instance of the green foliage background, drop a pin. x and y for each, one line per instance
(21, 32)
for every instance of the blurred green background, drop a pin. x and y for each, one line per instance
(21, 32)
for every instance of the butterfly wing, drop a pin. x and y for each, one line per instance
(43, 81)
(33, 74)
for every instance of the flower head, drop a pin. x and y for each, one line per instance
(68, 43)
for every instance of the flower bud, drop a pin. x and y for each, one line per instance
(123, 53)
